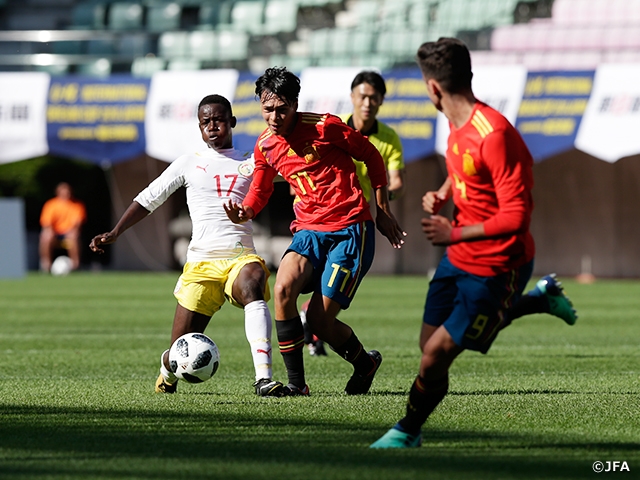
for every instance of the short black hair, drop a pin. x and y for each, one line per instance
(216, 99)
(280, 82)
(448, 61)
(372, 78)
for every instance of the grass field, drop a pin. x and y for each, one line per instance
(80, 354)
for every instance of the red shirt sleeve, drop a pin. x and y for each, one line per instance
(359, 147)
(262, 183)
(510, 168)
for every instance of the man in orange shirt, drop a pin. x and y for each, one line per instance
(61, 221)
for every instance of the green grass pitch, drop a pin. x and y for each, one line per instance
(79, 356)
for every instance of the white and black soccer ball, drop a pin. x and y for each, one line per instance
(194, 357)
(62, 265)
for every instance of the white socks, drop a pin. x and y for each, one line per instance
(168, 376)
(257, 326)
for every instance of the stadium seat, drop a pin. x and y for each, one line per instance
(184, 64)
(53, 70)
(339, 41)
(394, 14)
(88, 16)
(212, 15)
(319, 42)
(73, 47)
(233, 45)
(173, 44)
(335, 61)
(146, 66)
(136, 44)
(95, 68)
(162, 18)
(361, 41)
(281, 16)
(125, 16)
(293, 64)
(247, 16)
(364, 12)
(203, 45)
(397, 43)
(101, 46)
(596, 12)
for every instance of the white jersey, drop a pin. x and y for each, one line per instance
(211, 178)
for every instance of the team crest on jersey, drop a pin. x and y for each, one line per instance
(311, 154)
(246, 168)
(468, 166)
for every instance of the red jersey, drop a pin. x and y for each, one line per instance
(316, 160)
(491, 171)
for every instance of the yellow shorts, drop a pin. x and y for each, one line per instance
(203, 286)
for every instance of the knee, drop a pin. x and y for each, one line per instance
(282, 291)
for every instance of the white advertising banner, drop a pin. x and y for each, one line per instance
(499, 86)
(327, 89)
(609, 127)
(171, 122)
(23, 115)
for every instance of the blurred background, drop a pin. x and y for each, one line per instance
(563, 71)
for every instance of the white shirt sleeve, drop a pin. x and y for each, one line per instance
(162, 187)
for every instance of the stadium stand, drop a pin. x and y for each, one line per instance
(250, 34)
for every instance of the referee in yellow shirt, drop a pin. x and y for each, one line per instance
(367, 95)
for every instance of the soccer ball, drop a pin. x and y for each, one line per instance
(61, 266)
(194, 357)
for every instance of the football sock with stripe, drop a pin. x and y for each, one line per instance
(354, 353)
(424, 397)
(258, 327)
(291, 344)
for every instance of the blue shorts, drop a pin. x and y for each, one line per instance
(340, 259)
(472, 308)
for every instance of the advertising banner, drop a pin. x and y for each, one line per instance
(551, 110)
(171, 124)
(609, 128)
(97, 120)
(408, 110)
(23, 122)
(246, 108)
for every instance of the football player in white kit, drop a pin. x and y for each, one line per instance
(221, 258)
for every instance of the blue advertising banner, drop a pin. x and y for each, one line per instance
(246, 108)
(408, 110)
(97, 120)
(551, 110)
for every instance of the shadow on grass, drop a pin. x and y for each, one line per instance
(84, 443)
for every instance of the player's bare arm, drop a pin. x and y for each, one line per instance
(237, 212)
(385, 221)
(396, 184)
(130, 217)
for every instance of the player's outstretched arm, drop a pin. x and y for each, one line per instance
(130, 217)
(385, 221)
(238, 213)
